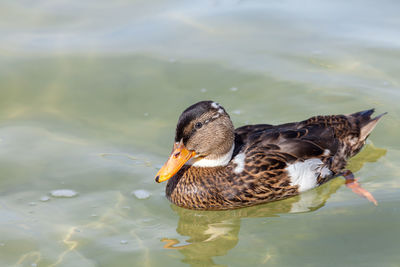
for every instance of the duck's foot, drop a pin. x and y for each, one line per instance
(351, 182)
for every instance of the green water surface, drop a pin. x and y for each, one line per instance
(90, 92)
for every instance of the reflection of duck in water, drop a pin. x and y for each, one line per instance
(215, 233)
(254, 164)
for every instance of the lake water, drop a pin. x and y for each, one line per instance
(90, 92)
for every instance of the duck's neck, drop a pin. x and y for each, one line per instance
(212, 160)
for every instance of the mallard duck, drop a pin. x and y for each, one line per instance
(214, 166)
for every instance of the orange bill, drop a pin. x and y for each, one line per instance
(179, 156)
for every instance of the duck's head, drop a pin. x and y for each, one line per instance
(204, 138)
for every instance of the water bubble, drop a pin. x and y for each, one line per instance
(44, 198)
(2, 244)
(93, 215)
(146, 114)
(63, 193)
(34, 265)
(123, 242)
(203, 90)
(141, 194)
(126, 207)
(237, 112)
(234, 89)
(32, 203)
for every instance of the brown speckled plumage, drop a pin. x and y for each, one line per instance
(268, 150)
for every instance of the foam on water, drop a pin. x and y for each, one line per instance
(141, 194)
(44, 198)
(63, 193)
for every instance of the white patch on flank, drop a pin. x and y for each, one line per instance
(203, 162)
(305, 173)
(215, 105)
(326, 152)
(325, 171)
(215, 116)
(239, 161)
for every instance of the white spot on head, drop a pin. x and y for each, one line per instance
(326, 152)
(305, 173)
(204, 162)
(215, 105)
(220, 111)
(239, 161)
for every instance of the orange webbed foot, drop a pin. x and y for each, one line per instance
(352, 183)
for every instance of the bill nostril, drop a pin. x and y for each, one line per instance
(158, 178)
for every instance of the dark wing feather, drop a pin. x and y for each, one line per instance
(298, 141)
(300, 144)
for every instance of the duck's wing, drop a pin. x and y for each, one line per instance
(286, 159)
(301, 141)
(332, 139)
(245, 131)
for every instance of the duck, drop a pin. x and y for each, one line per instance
(214, 166)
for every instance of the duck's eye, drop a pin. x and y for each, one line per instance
(198, 125)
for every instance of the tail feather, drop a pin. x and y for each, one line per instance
(364, 114)
(366, 123)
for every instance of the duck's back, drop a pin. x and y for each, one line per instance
(334, 138)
